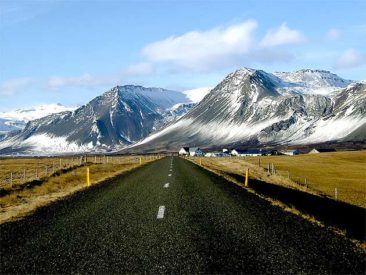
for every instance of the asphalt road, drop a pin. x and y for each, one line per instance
(198, 223)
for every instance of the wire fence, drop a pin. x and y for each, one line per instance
(28, 170)
(271, 169)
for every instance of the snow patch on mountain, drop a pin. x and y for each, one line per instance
(196, 95)
(35, 112)
(334, 129)
(16, 120)
(309, 81)
(52, 144)
(163, 98)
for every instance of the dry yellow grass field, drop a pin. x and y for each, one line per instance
(20, 170)
(22, 198)
(17, 171)
(324, 172)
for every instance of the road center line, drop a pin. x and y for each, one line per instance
(161, 212)
(166, 185)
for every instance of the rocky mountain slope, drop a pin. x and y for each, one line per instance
(248, 107)
(119, 117)
(251, 106)
(311, 81)
(16, 120)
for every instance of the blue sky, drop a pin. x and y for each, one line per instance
(71, 51)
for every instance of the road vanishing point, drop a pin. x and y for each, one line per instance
(192, 221)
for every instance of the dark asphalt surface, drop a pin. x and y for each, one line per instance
(209, 226)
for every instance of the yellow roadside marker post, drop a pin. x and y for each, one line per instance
(246, 177)
(87, 177)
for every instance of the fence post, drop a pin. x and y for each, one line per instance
(140, 160)
(87, 177)
(336, 193)
(246, 177)
(36, 173)
(11, 180)
(269, 170)
(259, 162)
(306, 182)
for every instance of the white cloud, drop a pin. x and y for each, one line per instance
(139, 69)
(350, 58)
(12, 12)
(332, 34)
(196, 51)
(84, 80)
(271, 56)
(200, 50)
(281, 36)
(12, 86)
(87, 80)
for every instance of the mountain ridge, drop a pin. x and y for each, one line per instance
(118, 117)
(17, 120)
(247, 106)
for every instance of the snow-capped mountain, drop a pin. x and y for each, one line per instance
(173, 114)
(10, 125)
(119, 117)
(311, 81)
(250, 106)
(16, 120)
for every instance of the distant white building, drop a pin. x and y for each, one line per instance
(210, 154)
(216, 154)
(244, 153)
(237, 152)
(319, 150)
(184, 151)
(290, 152)
(196, 152)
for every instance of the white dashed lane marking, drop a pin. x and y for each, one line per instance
(161, 212)
(166, 185)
